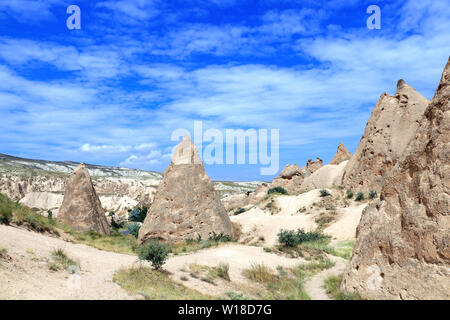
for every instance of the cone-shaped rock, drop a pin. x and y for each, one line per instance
(186, 204)
(81, 207)
(393, 123)
(342, 154)
(402, 249)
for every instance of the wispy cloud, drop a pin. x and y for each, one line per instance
(114, 92)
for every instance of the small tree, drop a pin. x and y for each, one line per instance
(359, 196)
(133, 229)
(138, 214)
(349, 194)
(154, 252)
(279, 190)
(324, 193)
(373, 194)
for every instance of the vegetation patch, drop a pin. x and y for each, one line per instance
(277, 190)
(154, 285)
(324, 193)
(116, 242)
(154, 252)
(373, 194)
(15, 213)
(332, 288)
(60, 261)
(209, 274)
(359, 196)
(193, 245)
(280, 287)
(291, 238)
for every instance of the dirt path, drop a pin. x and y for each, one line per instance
(315, 287)
(28, 276)
(238, 257)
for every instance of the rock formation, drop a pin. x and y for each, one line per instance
(243, 200)
(391, 126)
(291, 177)
(402, 249)
(186, 204)
(325, 177)
(81, 207)
(342, 154)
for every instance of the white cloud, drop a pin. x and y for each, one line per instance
(105, 148)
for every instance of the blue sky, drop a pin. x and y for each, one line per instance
(112, 92)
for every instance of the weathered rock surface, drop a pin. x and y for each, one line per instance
(186, 204)
(243, 200)
(326, 177)
(391, 126)
(342, 154)
(291, 177)
(81, 207)
(402, 249)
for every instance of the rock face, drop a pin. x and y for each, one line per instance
(81, 207)
(393, 123)
(342, 154)
(242, 200)
(402, 248)
(186, 204)
(325, 177)
(291, 177)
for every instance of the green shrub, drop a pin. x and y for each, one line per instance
(239, 211)
(276, 190)
(5, 214)
(291, 238)
(138, 214)
(332, 288)
(154, 252)
(359, 196)
(324, 193)
(220, 237)
(133, 229)
(222, 271)
(373, 194)
(349, 194)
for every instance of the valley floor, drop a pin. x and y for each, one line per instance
(26, 274)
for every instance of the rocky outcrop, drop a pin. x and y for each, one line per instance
(81, 207)
(391, 126)
(44, 201)
(291, 177)
(342, 154)
(402, 249)
(243, 200)
(325, 177)
(186, 204)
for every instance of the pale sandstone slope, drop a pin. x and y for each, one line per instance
(402, 249)
(393, 123)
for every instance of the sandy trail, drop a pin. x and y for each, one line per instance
(315, 287)
(28, 275)
(239, 257)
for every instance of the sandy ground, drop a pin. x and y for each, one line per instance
(259, 223)
(239, 257)
(315, 287)
(345, 227)
(28, 275)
